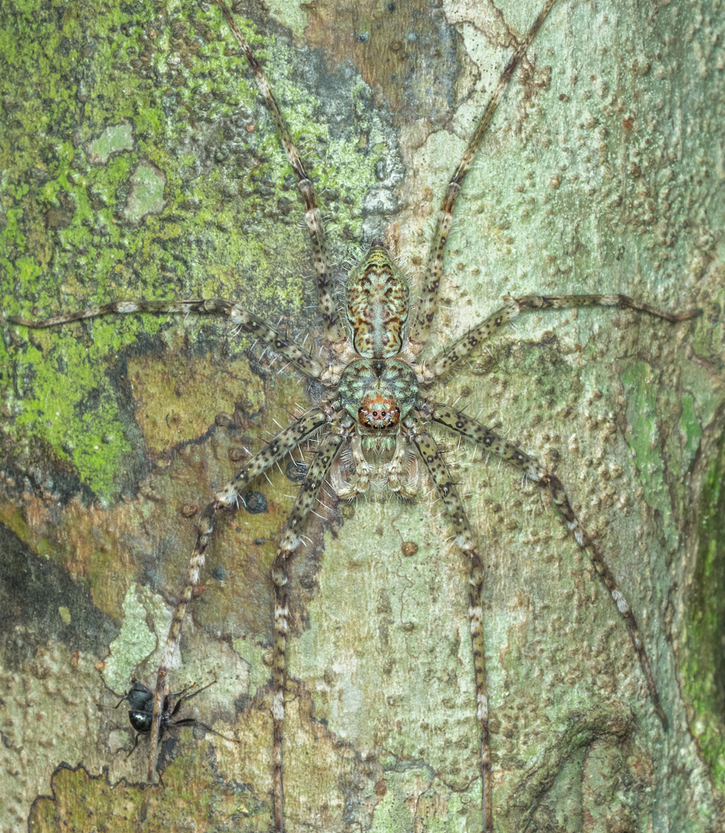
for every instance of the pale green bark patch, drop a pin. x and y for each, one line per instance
(114, 139)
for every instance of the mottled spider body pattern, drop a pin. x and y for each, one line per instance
(375, 422)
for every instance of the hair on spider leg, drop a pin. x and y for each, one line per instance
(328, 492)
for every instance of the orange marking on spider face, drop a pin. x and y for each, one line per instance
(378, 412)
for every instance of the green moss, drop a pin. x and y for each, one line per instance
(691, 428)
(643, 437)
(82, 802)
(82, 222)
(704, 667)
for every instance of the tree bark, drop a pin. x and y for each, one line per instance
(140, 162)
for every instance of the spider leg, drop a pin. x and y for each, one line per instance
(306, 499)
(334, 327)
(448, 493)
(425, 312)
(246, 321)
(284, 442)
(462, 347)
(533, 470)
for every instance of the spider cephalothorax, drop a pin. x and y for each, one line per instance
(378, 395)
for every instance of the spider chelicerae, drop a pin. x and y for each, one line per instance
(375, 414)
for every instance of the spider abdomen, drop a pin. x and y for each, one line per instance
(377, 305)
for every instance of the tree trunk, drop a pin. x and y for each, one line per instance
(140, 162)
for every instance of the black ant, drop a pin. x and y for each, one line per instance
(140, 715)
